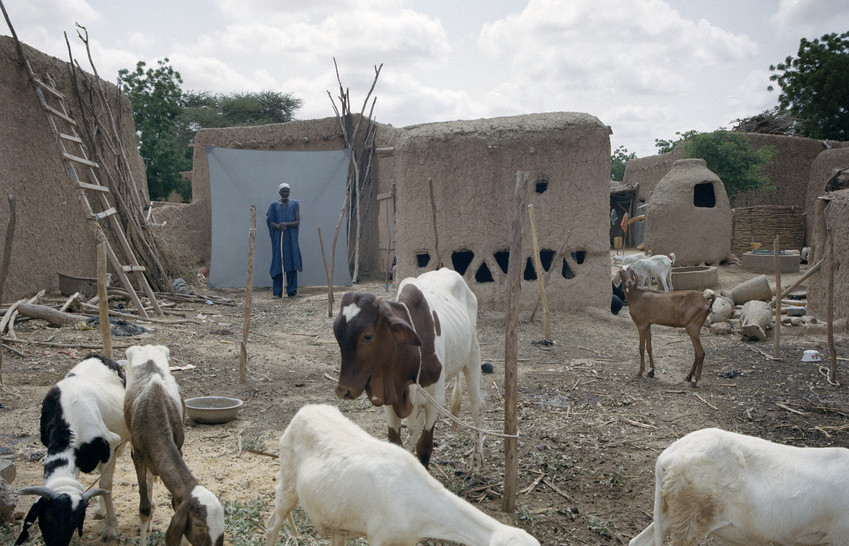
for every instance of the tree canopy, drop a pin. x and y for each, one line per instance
(815, 86)
(618, 161)
(167, 119)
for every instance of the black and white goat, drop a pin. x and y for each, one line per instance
(154, 411)
(82, 426)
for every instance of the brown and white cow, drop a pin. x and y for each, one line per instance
(426, 337)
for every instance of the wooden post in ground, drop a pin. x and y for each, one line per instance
(327, 275)
(776, 348)
(4, 262)
(103, 295)
(249, 291)
(511, 346)
(538, 265)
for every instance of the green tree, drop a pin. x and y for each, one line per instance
(618, 161)
(731, 157)
(204, 110)
(815, 86)
(663, 146)
(156, 97)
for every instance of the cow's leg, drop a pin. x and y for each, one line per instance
(474, 387)
(393, 426)
(423, 421)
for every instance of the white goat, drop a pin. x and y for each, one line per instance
(655, 267)
(745, 490)
(352, 484)
(82, 426)
(622, 261)
(155, 412)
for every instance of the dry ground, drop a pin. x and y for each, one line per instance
(590, 429)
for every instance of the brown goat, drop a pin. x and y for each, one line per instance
(686, 309)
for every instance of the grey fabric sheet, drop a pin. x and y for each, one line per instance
(240, 178)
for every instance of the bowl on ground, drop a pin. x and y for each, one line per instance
(213, 409)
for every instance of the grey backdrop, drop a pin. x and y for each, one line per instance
(240, 178)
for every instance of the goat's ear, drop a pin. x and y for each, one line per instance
(177, 527)
(32, 515)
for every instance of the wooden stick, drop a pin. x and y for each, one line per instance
(433, 220)
(249, 290)
(813, 269)
(326, 276)
(105, 332)
(10, 237)
(538, 266)
(511, 346)
(776, 346)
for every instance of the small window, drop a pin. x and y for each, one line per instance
(461, 260)
(502, 258)
(567, 271)
(546, 257)
(530, 273)
(422, 259)
(703, 195)
(579, 256)
(484, 274)
(541, 185)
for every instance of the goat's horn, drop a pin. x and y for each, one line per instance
(95, 492)
(40, 490)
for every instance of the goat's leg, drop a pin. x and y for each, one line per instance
(647, 337)
(145, 480)
(698, 358)
(105, 504)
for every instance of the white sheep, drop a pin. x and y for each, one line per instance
(82, 427)
(655, 267)
(154, 411)
(351, 484)
(745, 490)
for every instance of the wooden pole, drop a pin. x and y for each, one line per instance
(328, 276)
(832, 367)
(249, 291)
(102, 296)
(813, 269)
(538, 266)
(511, 347)
(7, 254)
(433, 219)
(776, 347)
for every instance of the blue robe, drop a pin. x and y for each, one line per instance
(291, 251)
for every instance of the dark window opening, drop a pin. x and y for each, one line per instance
(567, 271)
(546, 257)
(579, 256)
(422, 259)
(703, 195)
(541, 185)
(530, 273)
(461, 260)
(502, 258)
(484, 274)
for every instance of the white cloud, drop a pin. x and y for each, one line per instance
(806, 15)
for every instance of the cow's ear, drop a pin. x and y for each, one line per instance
(401, 330)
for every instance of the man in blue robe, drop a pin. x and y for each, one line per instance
(283, 218)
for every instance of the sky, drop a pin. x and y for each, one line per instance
(646, 68)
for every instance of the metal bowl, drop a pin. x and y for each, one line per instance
(213, 409)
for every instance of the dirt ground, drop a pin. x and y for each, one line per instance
(590, 430)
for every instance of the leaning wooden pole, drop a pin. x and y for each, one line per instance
(511, 347)
(538, 265)
(776, 347)
(249, 291)
(103, 296)
(4, 264)
(327, 275)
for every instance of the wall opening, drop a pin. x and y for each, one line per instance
(484, 274)
(422, 259)
(502, 258)
(530, 273)
(703, 195)
(461, 259)
(579, 256)
(541, 185)
(546, 257)
(567, 271)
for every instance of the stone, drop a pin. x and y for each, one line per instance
(721, 329)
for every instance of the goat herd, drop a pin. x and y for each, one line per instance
(402, 354)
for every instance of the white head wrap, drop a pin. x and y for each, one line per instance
(283, 185)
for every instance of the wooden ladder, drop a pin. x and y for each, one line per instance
(75, 159)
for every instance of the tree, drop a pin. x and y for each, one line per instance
(815, 86)
(156, 97)
(663, 146)
(204, 110)
(618, 161)
(731, 157)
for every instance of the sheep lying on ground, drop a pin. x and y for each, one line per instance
(351, 484)
(744, 490)
(82, 426)
(154, 411)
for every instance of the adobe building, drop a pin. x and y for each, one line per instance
(689, 214)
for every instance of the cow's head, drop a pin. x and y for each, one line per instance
(370, 335)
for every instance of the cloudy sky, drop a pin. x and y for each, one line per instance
(647, 68)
